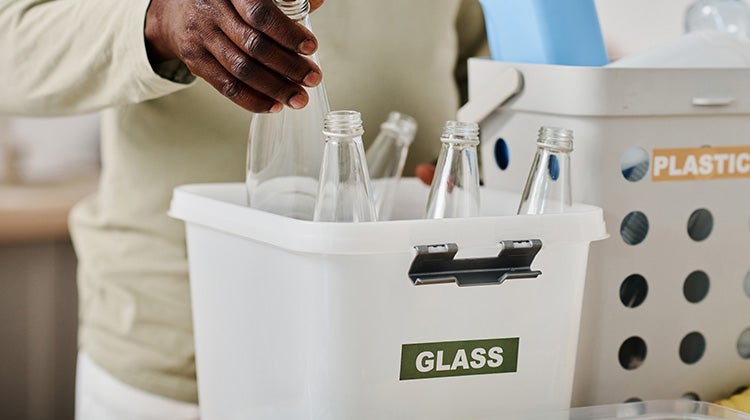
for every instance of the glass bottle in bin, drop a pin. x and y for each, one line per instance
(285, 149)
(455, 186)
(548, 188)
(345, 193)
(386, 159)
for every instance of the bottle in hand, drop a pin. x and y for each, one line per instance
(285, 149)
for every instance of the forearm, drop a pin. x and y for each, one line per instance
(64, 57)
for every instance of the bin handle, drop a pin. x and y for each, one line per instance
(436, 264)
(713, 102)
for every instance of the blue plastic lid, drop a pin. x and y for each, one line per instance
(563, 32)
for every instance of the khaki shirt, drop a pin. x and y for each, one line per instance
(75, 56)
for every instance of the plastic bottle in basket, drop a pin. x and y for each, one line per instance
(729, 16)
(455, 186)
(285, 149)
(345, 193)
(548, 188)
(386, 158)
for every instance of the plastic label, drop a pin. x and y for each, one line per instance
(459, 358)
(702, 163)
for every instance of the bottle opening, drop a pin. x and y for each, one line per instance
(294, 9)
(403, 125)
(460, 132)
(343, 124)
(556, 138)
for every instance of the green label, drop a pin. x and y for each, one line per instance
(459, 358)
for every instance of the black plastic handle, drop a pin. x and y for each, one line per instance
(436, 264)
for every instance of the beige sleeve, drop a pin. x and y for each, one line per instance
(72, 56)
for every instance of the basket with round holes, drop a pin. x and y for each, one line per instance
(666, 154)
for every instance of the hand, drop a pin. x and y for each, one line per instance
(246, 49)
(425, 172)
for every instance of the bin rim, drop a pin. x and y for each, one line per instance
(220, 207)
(613, 92)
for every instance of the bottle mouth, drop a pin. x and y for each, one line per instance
(294, 9)
(460, 132)
(556, 138)
(343, 124)
(403, 125)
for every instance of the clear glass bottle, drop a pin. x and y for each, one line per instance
(386, 159)
(455, 187)
(344, 194)
(285, 149)
(548, 187)
(730, 16)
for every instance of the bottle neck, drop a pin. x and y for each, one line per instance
(297, 10)
(394, 132)
(305, 21)
(460, 133)
(555, 140)
(401, 125)
(343, 125)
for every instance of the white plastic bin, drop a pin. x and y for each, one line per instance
(666, 311)
(302, 320)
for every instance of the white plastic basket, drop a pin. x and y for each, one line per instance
(682, 409)
(687, 332)
(301, 320)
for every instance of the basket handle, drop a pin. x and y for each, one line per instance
(436, 264)
(495, 94)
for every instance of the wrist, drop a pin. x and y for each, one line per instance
(156, 43)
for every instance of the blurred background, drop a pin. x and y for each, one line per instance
(46, 165)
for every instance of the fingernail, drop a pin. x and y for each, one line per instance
(276, 108)
(307, 47)
(312, 79)
(298, 101)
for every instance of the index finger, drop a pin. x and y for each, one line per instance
(266, 17)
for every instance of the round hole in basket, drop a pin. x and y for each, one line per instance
(634, 164)
(633, 291)
(691, 396)
(700, 224)
(634, 409)
(696, 286)
(502, 154)
(743, 344)
(692, 348)
(747, 284)
(634, 228)
(632, 353)
(553, 167)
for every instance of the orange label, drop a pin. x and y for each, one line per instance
(698, 164)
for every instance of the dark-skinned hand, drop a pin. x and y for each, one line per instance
(246, 49)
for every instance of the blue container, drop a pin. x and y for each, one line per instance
(564, 32)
